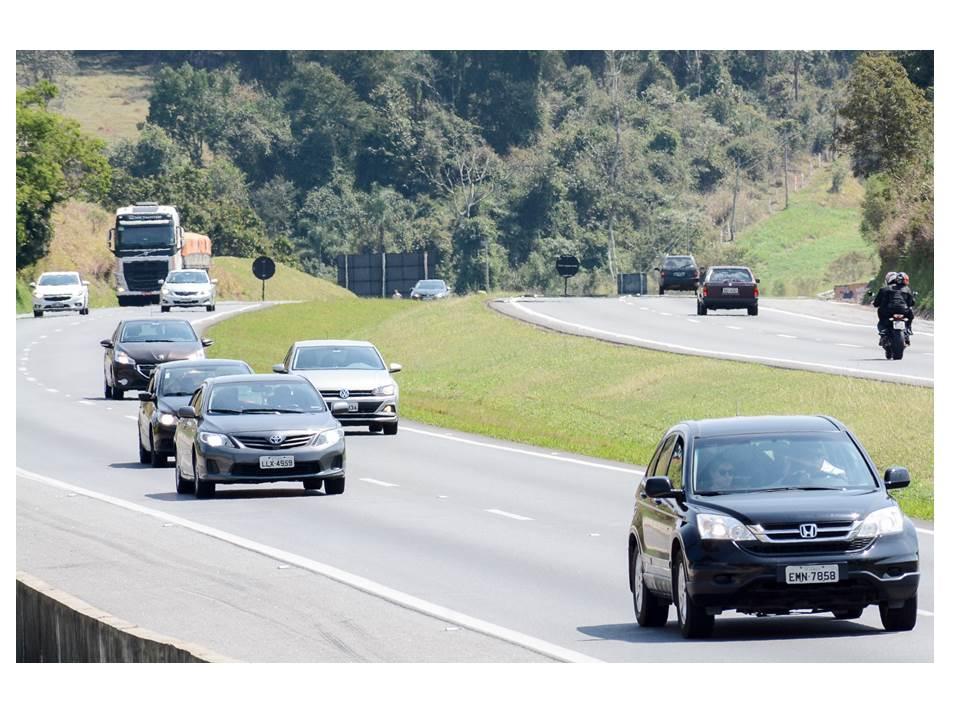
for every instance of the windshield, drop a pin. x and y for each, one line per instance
(672, 263)
(731, 275)
(144, 237)
(763, 463)
(65, 279)
(158, 331)
(430, 285)
(338, 358)
(186, 380)
(188, 276)
(282, 396)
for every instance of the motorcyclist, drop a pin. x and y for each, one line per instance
(895, 297)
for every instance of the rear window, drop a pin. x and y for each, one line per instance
(731, 275)
(673, 263)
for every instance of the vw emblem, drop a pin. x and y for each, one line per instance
(808, 531)
(344, 394)
(160, 356)
(276, 439)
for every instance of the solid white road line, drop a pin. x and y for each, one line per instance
(601, 466)
(506, 514)
(692, 320)
(356, 581)
(849, 345)
(376, 482)
(924, 531)
(788, 337)
(130, 417)
(925, 613)
(734, 327)
(85, 402)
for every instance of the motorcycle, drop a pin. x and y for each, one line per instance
(894, 340)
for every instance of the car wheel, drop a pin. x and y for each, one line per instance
(107, 394)
(848, 614)
(144, 454)
(157, 460)
(38, 313)
(164, 308)
(649, 610)
(184, 487)
(391, 428)
(334, 485)
(899, 619)
(888, 352)
(701, 310)
(753, 310)
(375, 427)
(211, 308)
(116, 393)
(312, 484)
(661, 291)
(694, 620)
(202, 488)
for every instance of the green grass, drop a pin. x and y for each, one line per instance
(237, 282)
(107, 104)
(813, 244)
(469, 368)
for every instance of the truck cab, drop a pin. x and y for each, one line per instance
(146, 240)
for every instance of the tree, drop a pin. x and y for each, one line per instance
(50, 65)
(55, 161)
(184, 102)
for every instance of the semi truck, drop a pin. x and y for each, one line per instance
(146, 239)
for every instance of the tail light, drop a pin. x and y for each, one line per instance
(663, 274)
(898, 317)
(705, 293)
(756, 291)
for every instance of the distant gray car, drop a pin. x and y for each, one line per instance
(429, 290)
(352, 371)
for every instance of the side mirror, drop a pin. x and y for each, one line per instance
(145, 397)
(656, 268)
(33, 284)
(756, 280)
(214, 281)
(659, 486)
(187, 413)
(84, 282)
(896, 477)
(395, 367)
(160, 282)
(340, 406)
(279, 368)
(106, 343)
(206, 342)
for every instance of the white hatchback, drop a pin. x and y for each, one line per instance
(188, 288)
(60, 291)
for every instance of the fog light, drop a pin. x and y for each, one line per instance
(123, 381)
(388, 408)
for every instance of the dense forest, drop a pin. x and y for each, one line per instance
(497, 160)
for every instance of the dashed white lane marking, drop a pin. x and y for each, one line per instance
(788, 337)
(494, 511)
(355, 581)
(734, 327)
(601, 466)
(58, 330)
(924, 531)
(849, 345)
(644, 308)
(130, 417)
(692, 320)
(666, 314)
(832, 322)
(629, 303)
(53, 390)
(930, 354)
(31, 379)
(85, 402)
(23, 369)
(75, 324)
(377, 482)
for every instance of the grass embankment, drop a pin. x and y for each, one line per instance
(469, 368)
(813, 244)
(108, 103)
(237, 282)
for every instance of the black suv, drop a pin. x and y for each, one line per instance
(768, 515)
(678, 272)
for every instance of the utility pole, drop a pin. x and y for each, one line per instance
(786, 187)
(486, 263)
(733, 211)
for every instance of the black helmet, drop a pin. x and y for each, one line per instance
(901, 279)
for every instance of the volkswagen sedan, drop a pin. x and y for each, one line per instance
(728, 288)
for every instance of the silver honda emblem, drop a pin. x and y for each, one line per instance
(276, 439)
(344, 394)
(808, 531)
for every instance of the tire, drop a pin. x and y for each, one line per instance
(334, 485)
(753, 310)
(312, 484)
(693, 619)
(107, 393)
(164, 308)
(899, 619)
(649, 610)
(144, 454)
(375, 427)
(203, 489)
(184, 487)
(391, 428)
(661, 291)
(157, 460)
(888, 352)
(849, 614)
(897, 344)
(211, 308)
(116, 393)
(38, 313)
(124, 302)
(701, 310)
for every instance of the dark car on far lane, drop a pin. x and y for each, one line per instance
(678, 272)
(429, 290)
(138, 346)
(728, 288)
(769, 516)
(169, 389)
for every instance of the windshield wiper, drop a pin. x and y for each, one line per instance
(781, 489)
(184, 394)
(224, 411)
(271, 410)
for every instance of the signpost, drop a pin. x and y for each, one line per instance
(263, 268)
(567, 267)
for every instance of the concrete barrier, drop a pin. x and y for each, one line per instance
(53, 626)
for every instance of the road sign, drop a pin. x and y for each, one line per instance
(567, 266)
(264, 268)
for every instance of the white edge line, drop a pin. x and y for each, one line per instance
(507, 515)
(355, 581)
(130, 417)
(924, 531)
(767, 308)
(601, 466)
(926, 613)
(781, 362)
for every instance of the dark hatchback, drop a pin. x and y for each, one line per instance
(136, 347)
(679, 272)
(170, 388)
(728, 288)
(769, 515)
(258, 429)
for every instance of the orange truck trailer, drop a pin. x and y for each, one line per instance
(196, 251)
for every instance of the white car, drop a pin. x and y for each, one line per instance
(60, 291)
(188, 288)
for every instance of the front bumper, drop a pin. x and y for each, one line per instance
(163, 437)
(369, 410)
(726, 575)
(130, 377)
(64, 304)
(185, 301)
(242, 465)
(733, 303)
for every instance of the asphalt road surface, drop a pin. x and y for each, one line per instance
(802, 334)
(485, 550)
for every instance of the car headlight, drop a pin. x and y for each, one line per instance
(722, 527)
(168, 419)
(414, 295)
(887, 521)
(164, 291)
(121, 357)
(214, 439)
(38, 295)
(328, 438)
(388, 389)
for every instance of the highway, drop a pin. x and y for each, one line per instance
(445, 546)
(812, 335)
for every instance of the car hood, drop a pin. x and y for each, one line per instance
(797, 505)
(188, 287)
(334, 380)
(257, 423)
(172, 403)
(157, 352)
(59, 290)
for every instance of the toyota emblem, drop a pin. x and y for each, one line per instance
(808, 531)
(344, 394)
(276, 439)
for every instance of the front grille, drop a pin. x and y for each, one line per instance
(806, 548)
(186, 293)
(791, 532)
(144, 275)
(262, 442)
(254, 470)
(57, 298)
(146, 370)
(335, 394)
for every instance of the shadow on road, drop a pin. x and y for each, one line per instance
(130, 466)
(245, 494)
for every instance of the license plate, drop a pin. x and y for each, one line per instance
(812, 574)
(276, 461)
(731, 291)
(899, 325)
(353, 407)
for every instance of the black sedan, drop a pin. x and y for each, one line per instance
(136, 347)
(728, 288)
(429, 290)
(678, 272)
(769, 515)
(170, 389)
(257, 429)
